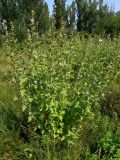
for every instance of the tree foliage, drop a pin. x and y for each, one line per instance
(90, 16)
(59, 12)
(19, 12)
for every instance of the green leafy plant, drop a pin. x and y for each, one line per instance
(61, 80)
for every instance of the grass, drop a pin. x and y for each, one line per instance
(7, 112)
(5, 92)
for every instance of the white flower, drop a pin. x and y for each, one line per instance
(100, 40)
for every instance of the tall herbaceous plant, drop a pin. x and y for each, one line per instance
(61, 80)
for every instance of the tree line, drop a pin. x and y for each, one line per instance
(87, 16)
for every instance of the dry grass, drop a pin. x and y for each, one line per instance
(4, 64)
(5, 91)
(7, 157)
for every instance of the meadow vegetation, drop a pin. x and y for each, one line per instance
(60, 98)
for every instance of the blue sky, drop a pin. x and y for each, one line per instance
(115, 4)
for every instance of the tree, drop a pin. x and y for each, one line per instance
(19, 12)
(59, 12)
(103, 14)
(87, 15)
(92, 16)
(8, 9)
(72, 15)
(41, 13)
(79, 4)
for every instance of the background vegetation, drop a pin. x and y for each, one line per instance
(89, 16)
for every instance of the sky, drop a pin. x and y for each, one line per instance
(115, 4)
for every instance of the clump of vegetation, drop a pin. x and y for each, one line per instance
(110, 105)
(67, 99)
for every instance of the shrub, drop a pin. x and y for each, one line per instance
(62, 80)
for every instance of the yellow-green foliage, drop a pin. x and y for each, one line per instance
(61, 80)
(63, 83)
